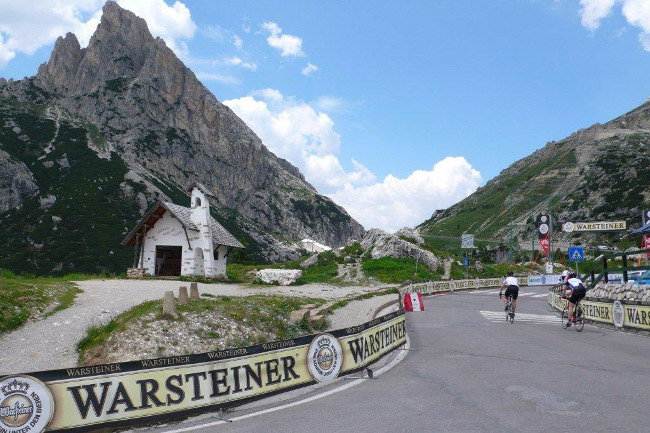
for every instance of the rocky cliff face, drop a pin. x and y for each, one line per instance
(598, 173)
(129, 97)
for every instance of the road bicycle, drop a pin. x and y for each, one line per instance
(510, 315)
(579, 324)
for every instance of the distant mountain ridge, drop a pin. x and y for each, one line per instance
(598, 173)
(101, 132)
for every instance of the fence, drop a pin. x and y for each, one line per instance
(432, 287)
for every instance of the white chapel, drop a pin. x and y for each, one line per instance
(173, 240)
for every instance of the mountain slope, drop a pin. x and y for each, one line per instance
(101, 132)
(599, 173)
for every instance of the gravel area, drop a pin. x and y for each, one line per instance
(358, 312)
(50, 343)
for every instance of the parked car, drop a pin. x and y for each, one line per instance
(643, 279)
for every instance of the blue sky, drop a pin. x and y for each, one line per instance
(413, 104)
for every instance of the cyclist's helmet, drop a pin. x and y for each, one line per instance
(510, 274)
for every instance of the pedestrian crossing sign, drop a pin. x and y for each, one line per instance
(576, 254)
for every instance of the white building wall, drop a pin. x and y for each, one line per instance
(167, 231)
(201, 218)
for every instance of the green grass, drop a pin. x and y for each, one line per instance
(391, 270)
(24, 297)
(262, 312)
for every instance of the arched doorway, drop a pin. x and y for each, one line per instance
(199, 262)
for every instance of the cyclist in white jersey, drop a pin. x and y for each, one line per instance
(512, 288)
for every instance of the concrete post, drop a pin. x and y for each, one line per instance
(194, 292)
(183, 299)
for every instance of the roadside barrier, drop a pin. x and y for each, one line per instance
(433, 287)
(128, 393)
(621, 314)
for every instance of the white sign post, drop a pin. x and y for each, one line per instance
(467, 241)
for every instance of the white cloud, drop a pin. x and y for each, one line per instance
(636, 12)
(395, 202)
(27, 27)
(236, 61)
(593, 11)
(288, 45)
(298, 132)
(269, 95)
(237, 42)
(225, 79)
(309, 69)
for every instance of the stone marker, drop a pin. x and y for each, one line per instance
(194, 292)
(183, 299)
(169, 305)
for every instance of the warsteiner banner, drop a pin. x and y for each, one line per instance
(86, 398)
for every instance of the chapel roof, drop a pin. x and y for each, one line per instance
(220, 236)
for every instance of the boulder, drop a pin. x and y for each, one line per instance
(478, 266)
(298, 315)
(382, 244)
(310, 261)
(282, 277)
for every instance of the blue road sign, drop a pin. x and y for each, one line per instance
(576, 254)
(466, 261)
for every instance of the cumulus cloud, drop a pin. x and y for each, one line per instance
(395, 202)
(288, 45)
(309, 69)
(636, 12)
(24, 28)
(236, 61)
(593, 11)
(300, 133)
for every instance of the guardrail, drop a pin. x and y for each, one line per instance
(432, 287)
(621, 314)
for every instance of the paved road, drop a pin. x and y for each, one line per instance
(473, 373)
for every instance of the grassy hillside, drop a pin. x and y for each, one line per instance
(600, 173)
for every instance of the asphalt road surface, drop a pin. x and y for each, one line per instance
(470, 371)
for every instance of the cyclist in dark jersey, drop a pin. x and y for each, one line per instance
(574, 292)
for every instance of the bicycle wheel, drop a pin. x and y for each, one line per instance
(565, 317)
(580, 322)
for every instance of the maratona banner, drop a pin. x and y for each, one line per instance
(113, 395)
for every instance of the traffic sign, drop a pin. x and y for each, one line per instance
(576, 254)
(466, 261)
(466, 241)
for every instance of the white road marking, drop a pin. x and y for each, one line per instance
(499, 316)
(543, 295)
(377, 373)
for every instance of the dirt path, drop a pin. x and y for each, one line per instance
(50, 343)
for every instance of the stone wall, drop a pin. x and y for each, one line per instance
(137, 273)
(620, 292)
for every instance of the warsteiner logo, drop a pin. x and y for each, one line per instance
(618, 313)
(325, 358)
(26, 405)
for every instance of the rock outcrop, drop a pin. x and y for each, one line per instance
(16, 182)
(383, 244)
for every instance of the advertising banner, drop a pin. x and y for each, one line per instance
(594, 226)
(614, 313)
(543, 280)
(111, 395)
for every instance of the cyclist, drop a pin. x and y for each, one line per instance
(574, 291)
(564, 276)
(512, 289)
